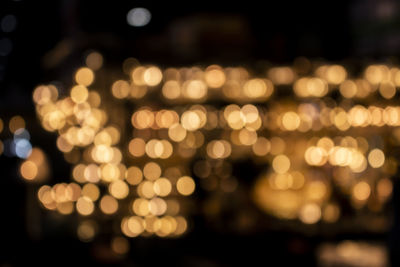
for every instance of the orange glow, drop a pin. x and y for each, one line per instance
(16, 122)
(79, 94)
(185, 185)
(84, 76)
(29, 170)
(94, 60)
(214, 76)
(108, 204)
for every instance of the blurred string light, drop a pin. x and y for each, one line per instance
(138, 17)
(310, 145)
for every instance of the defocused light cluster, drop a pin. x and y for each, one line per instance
(351, 253)
(34, 168)
(141, 196)
(313, 127)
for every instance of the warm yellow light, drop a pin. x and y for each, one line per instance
(281, 164)
(91, 191)
(146, 189)
(176, 132)
(94, 60)
(86, 231)
(141, 207)
(84, 206)
(348, 89)
(120, 89)
(387, 90)
(331, 213)
(135, 225)
(195, 89)
(171, 90)
(65, 208)
(376, 158)
(152, 171)
(291, 121)
(16, 122)
(29, 170)
(261, 147)
(384, 188)
(185, 185)
(84, 76)
(133, 175)
(214, 76)
(137, 147)
(335, 74)
(120, 245)
(79, 94)
(119, 189)
(108, 204)
(162, 187)
(152, 76)
(310, 213)
(361, 191)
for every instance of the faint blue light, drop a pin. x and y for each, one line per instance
(8, 23)
(23, 148)
(9, 148)
(138, 17)
(21, 134)
(5, 46)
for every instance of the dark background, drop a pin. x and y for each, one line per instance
(180, 33)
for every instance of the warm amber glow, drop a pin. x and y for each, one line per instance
(119, 189)
(152, 76)
(281, 164)
(176, 132)
(348, 89)
(376, 158)
(84, 76)
(162, 187)
(120, 89)
(214, 76)
(219, 149)
(137, 147)
(84, 206)
(94, 60)
(79, 94)
(29, 170)
(262, 146)
(120, 245)
(133, 175)
(91, 191)
(108, 204)
(310, 213)
(86, 231)
(194, 89)
(152, 171)
(185, 185)
(361, 191)
(192, 121)
(331, 213)
(290, 121)
(16, 122)
(335, 74)
(384, 188)
(171, 90)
